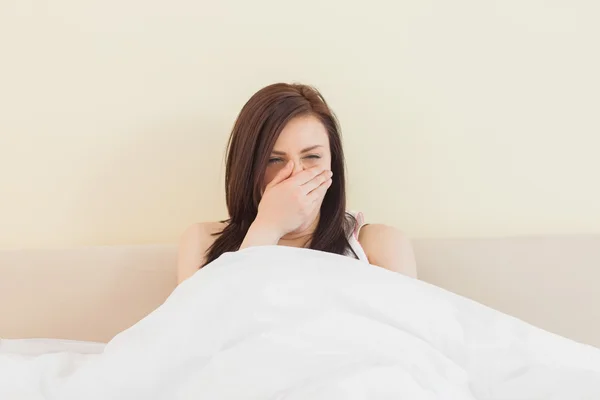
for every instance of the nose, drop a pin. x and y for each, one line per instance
(298, 167)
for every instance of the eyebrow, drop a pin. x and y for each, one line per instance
(306, 150)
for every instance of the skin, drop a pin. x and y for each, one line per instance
(296, 180)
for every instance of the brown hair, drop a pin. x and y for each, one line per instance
(252, 139)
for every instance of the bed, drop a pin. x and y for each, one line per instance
(282, 323)
(93, 293)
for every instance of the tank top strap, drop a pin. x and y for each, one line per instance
(353, 238)
(360, 222)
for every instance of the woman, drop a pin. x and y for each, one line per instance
(284, 185)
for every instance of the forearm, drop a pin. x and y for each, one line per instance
(260, 235)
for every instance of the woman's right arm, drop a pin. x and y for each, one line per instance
(192, 249)
(284, 206)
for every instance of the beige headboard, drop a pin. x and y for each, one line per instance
(93, 293)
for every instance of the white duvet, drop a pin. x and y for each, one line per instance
(289, 324)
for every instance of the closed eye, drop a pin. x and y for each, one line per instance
(274, 160)
(313, 156)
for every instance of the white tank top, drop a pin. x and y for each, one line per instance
(353, 238)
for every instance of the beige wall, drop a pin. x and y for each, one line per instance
(460, 118)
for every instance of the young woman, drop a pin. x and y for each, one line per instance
(285, 185)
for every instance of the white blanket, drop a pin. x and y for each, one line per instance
(282, 323)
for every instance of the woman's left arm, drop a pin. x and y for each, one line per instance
(388, 248)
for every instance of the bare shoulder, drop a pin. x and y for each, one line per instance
(201, 229)
(389, 248)
(194, 243)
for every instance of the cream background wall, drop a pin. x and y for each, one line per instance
(461, 118)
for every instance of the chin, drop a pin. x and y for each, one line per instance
(312, 220)
(304, 227)
(301, 230)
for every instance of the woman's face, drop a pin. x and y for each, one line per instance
(303, 140)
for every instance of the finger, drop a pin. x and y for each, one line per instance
(306, 175)
(283, 174)
(316, 181)
(319, 192)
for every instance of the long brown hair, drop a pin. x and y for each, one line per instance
(252, 139)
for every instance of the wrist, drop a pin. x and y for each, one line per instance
(266, 229)
(261, 234)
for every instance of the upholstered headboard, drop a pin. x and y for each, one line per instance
(93, 293)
